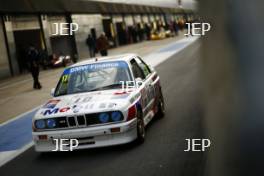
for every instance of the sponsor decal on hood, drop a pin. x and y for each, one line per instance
(54, 111)
(91, 102)
(51, 104)
(77, 108)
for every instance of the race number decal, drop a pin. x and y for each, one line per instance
(65, 78)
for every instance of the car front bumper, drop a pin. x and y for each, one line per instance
(89, 137)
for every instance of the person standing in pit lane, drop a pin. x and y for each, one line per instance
(102, 45)
(33, 58)
(147, 30)
(90, 41)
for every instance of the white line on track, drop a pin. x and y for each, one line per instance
(9, 155)
(19, 116)
(157, 58)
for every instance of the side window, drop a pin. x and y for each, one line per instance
(143, 66)
(138, 73)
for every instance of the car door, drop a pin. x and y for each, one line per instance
(150, 82)
(141, 70)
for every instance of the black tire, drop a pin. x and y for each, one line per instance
(140, 128)
(161, 106)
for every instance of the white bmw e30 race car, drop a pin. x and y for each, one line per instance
(100, 102)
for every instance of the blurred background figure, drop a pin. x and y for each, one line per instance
(33, 57)
(91, 45)
(147, 31)
(102, 45)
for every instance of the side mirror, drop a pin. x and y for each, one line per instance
(151, 68)
(52, 92)
(138, 81)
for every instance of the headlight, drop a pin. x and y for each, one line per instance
(116, 116)
(40, 124)
(104, 117)
(51, 123)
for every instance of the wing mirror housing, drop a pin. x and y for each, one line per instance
(139, 82)
(151, 68)
(52, 92)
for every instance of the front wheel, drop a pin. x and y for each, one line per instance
(161, 106)
(140, 128)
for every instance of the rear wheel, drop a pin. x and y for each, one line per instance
(140, 127)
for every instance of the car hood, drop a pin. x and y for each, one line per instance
(91, 102)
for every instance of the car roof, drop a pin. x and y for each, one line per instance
(123, 57)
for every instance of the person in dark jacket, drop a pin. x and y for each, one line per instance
(147, 31)
(102, 45)
(33, 57)
(91, 44)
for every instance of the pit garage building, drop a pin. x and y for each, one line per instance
(31, 22)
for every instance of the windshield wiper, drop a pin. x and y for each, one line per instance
(60, 94)
(116, 85)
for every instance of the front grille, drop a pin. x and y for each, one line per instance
(61, 122)
(92, 119)
(80, 121)
(71, 121)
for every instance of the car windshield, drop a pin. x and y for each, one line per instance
(93, 77)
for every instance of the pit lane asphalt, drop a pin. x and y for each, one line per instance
(163, 151)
